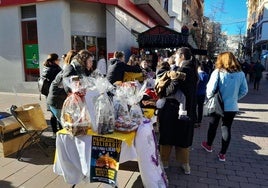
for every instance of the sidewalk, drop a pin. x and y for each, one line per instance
(246, 163)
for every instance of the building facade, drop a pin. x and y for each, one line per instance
(33, 29)
(187, 13)
(256, 43)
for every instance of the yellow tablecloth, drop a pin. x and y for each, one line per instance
(127, 137)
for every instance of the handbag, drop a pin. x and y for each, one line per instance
(214, 105)
(43, 85)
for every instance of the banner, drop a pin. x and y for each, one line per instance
(105, 154)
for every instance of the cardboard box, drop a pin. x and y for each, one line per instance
(9, 128)
(32, 116)
(13, 145)
(11, 138)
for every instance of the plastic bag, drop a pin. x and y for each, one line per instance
(128, 113)
(103, 107)
(75, 116)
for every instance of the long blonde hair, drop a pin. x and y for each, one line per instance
(227, 61)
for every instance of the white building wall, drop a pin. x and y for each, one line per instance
(57, 21)
(11, 60)
(175, 13)
(53, 27)
(264, 23)
(264, 35)
(175, 9)
(88, 19)
(119, 26)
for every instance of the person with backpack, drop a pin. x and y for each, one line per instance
(50, 71)
(57, 94)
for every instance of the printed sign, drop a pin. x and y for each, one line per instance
(31, 55)
(105, 154)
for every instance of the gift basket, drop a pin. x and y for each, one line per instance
(127, 110)
(75, 116)
(103, 107)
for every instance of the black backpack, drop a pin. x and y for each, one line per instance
(43, 85)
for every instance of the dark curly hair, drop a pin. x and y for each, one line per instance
(51, 59)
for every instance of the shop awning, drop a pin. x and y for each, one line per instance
(161, 37)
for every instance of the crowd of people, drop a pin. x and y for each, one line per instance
(178, 93)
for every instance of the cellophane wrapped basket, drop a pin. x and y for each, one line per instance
(75, 116)
(103, 107)
(128, 113)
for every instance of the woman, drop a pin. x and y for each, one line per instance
(169, 127)
(51, 69)
(57, 94)
(118, 67)
(232, 86)
(81, 65)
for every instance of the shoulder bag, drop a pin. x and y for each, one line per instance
(43, 85)
(214, 105)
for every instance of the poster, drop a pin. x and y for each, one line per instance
(31, 56)
(105, 154)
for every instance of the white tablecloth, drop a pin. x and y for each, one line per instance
(73, 154)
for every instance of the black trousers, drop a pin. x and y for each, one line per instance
(227, 121)
(200, 103)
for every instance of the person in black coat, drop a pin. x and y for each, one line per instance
(57, 94)
(174, 131)
(118, 67)
(51, 67)
(50, 71)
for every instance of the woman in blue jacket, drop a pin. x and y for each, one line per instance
(232, 86)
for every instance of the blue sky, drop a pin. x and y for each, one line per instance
(232, 14)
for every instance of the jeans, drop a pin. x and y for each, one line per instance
(57, 113)
(227, 121)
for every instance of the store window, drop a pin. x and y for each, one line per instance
(28, 12)
(85, 42)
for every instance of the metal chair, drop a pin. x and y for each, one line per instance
(34, 135)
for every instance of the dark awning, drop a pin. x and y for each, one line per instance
(161, 37)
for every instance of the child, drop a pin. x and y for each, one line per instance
(163, 78)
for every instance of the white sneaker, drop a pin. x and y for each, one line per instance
(186, 168)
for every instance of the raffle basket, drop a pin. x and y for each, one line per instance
(32, 121)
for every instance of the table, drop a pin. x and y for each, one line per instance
(73, 154)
